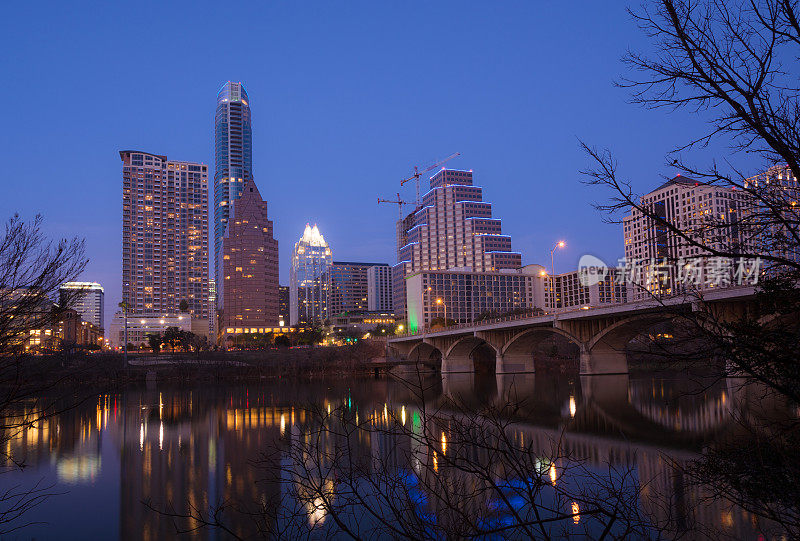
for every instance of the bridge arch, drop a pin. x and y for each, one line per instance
(425, 352)
(459, 356)
(516, 355)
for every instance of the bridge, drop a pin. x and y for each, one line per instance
(601, 333)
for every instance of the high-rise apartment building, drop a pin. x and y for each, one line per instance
(164, 234)
(658, 258)
(452, 229)
(379, 288)
(348, 286)
(307, 289)
(233, 156)
(89, 302)
(247, 297)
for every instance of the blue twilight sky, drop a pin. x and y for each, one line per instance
(346, 98)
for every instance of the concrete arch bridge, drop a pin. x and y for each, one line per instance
(600, 333)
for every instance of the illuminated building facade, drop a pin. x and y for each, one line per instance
(570, 292)
(711, 214)
(89, 302)
(247, 297)
(233, 156)
(468, 296)
(348, 286)
(283, 305)
(379, 288)
(308, 298)
(777, 188)
(164, 234)
(142, 325)
(453, 229)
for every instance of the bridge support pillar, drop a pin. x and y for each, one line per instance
(514, 364)
(602, 359)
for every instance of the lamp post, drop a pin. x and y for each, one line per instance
(124, 306)
(440, 301)
(559, 244)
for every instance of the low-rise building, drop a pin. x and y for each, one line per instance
(142, 325)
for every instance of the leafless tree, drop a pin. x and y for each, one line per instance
(736, 64)
(32, 269)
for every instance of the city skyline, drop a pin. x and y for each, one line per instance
(355, 136)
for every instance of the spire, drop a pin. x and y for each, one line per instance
(312, 236)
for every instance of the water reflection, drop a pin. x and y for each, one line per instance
(191, 450)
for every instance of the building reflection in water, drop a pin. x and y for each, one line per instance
(188, 451)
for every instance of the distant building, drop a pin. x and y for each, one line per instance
(710, 214)
(348, 286)
(247, 297)
(88, 302)
(142, 325)
(65, 332)
(465, 296)
(570, 292)
(452, 230)
(779, 189)
(233, 157)
(283, 306)
(362, 321)
(379, 288)
(212, 311)
(164, 234)
(307, 289)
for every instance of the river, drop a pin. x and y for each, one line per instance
(183, 449)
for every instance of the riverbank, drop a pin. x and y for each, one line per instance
(109, 369)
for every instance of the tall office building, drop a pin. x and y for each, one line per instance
(89, 302)
(233, 156)
(307, 288)
(283, 305)
(348, 286)
(247, 297)
(164, 234)
(452, 229)
(657, 257)
(379, 288)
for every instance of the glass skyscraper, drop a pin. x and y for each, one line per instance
(308, 296)
(233, 156)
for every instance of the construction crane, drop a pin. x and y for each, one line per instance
(399, 202)
(418, 173)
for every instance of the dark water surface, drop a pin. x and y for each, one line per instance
(191, 448)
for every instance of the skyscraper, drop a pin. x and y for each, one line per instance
(89, 302)
(453, 229)
(307, 288)
(164, 234)
(233, 156)
(247, 297)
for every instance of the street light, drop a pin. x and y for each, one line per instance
(440, 301)
(559, 244)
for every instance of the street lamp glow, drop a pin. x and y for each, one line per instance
(438, 301)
